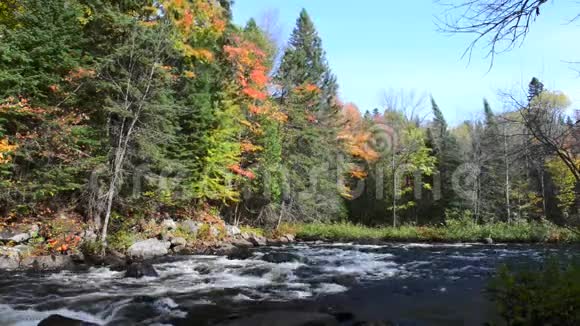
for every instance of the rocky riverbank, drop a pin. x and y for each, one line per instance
(41, 248)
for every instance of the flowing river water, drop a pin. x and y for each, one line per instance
(408, 284)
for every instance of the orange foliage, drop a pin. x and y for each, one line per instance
(355, 137)
(358, 173)
(79, 73)
(254, 94)
(196, 19)
(235, 168)
(248, 63)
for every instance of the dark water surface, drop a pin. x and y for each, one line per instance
(410, 284)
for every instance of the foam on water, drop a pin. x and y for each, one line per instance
(30, 317)
(100, 295)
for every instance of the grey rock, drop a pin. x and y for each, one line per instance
(149, 248)
(282, 257)
(240, 254)
(275, 242)
(191, 226)
(139, 270)
(169, 224)
(488, 240)
(202, 269)
(23, 250)
(89, 235)
(5, 236)
(285, 318)
(179, 249)
(50, 263)
(233, 231)
(58, 320)
(179, 241)
(20, 238)
(241, 243)
(9, 263)
(226, 249)
(257, 240)
(290, 237)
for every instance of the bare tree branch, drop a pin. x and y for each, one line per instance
(503, 24)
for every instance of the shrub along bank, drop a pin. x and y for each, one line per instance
(451, 231)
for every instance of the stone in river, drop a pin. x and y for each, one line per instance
(139, 270)
(285, 318)
(58, 320)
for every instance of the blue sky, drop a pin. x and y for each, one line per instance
(377, 45)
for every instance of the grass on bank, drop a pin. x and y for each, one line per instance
(452, 231)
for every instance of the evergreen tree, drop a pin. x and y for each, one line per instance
(307, 93)
(535, 88)
(446, 150)
(492, 189)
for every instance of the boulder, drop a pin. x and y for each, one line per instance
(226, 249)
(149, 248)
(202, 269)
(290, 237)
(9, 262)
(115, 260)
(5, 236)
(47, 263)
(488, 240)
(257, 240)
(233, 230)
(180, 250)
(139, 270)
(23, 250)
(8, 236)
(281, 257)
(20, 238)
(58, 320)
(240, 254)
(169, 224)
(89, 235)
(179, 241)
(191, 226)
(284, 318)
(241, 243)
(11, 257)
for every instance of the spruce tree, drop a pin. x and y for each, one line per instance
(535, 88)
(492, 191)
(446, 149)
(307, 93)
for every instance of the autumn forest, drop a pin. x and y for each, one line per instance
(114, 110)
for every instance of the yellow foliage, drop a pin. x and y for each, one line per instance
(6, 148)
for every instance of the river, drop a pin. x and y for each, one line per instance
(408, 284)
